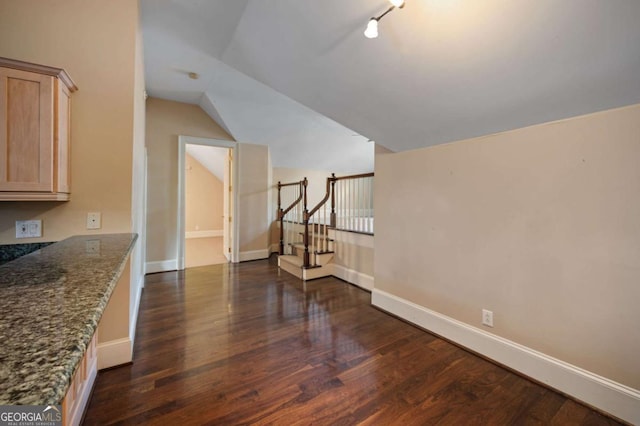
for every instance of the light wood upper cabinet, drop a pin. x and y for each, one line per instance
(34, 132)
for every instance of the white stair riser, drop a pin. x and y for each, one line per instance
(294, 270)
(293, 266)
(313, 273)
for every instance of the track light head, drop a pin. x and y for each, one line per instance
(372, 29)
(372, 26)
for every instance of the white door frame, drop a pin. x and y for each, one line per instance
(182, 142)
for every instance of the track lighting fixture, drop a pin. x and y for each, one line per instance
(372, 29)
(372, 25)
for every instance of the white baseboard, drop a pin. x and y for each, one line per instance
(619, 400)
(274, 248)
(114, 352)
(254, 255)
(161, 266)
(352, 276)
(204, 234)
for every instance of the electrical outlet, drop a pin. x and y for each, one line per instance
(94, 220)
(28, 228)
(487, 318)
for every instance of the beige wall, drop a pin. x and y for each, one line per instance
(254, 206)
(166, 120)
(540, 225)
(203, 198)
(95, 41)
(114, 324)
(354, 251)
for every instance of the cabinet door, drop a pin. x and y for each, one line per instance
(26, 131)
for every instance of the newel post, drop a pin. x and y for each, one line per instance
(280, 219)
(305, 219)
(332, 216)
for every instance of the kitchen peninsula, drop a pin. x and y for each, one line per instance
(52, 302)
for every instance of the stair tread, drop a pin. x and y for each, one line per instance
(325, 252)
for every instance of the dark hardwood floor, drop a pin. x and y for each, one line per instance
(240, 344)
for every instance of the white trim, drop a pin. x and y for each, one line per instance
(254, 255)
(204, 234)
(352, 276)
(114, 352)
(161, 266)
(143, 236)
(134, 315)
(315, 273)
(180, 229)
(612, 397)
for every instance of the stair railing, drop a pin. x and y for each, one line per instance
(316, 219)
(352, 203)
(351, 209)
(293, 195)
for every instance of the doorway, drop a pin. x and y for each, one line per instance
(206, 202)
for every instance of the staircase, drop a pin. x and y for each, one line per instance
(306, 243)
(294, 263)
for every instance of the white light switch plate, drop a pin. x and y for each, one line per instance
(28, 228)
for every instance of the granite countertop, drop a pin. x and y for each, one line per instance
(9, 252)
(50, 304)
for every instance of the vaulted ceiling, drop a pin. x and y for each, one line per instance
(300, 73)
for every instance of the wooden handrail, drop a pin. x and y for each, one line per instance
(361, 175)
(288, 209)
(282, 212)
(281, 185)
(326, 197)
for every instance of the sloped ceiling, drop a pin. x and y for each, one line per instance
(300, 72)
(212, 158)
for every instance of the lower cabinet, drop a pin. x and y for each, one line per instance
(77, 397)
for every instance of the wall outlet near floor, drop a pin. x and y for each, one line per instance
(94, 220)
(487, 318)
(28, 228)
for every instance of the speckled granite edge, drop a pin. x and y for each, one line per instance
(51, 302)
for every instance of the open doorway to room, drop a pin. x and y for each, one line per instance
(206, 229)
(203, 207)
